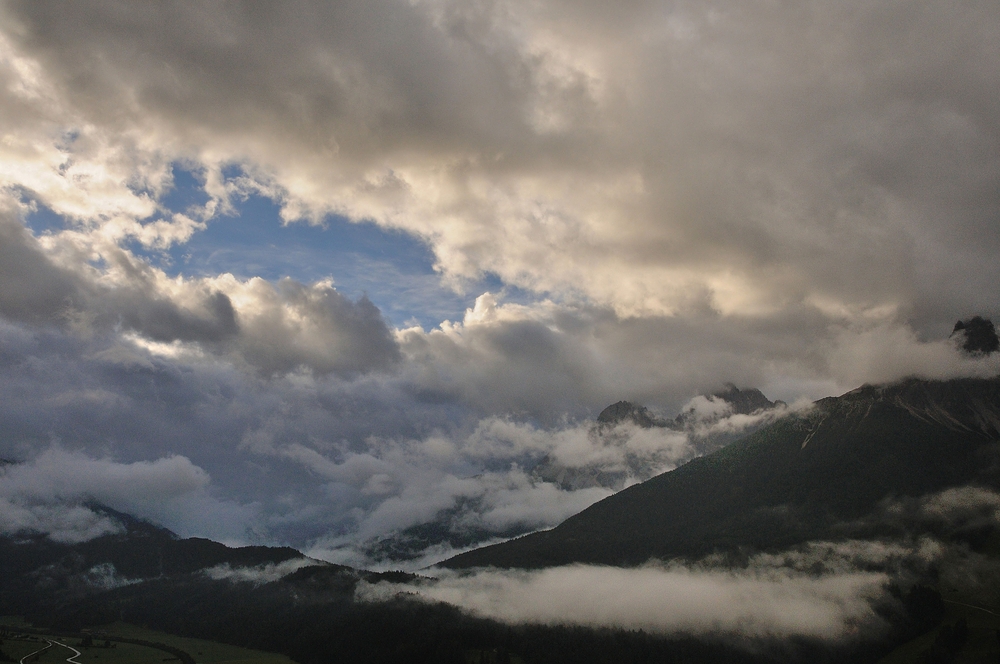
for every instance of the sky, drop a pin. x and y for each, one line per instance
(311, 273)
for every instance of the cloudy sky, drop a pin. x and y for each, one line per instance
(313, 272)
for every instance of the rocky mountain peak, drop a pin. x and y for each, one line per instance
(744, 401)
(980, 335)
(626, 411)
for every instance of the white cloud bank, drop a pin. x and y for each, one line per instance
(662, 600)
(827, 590)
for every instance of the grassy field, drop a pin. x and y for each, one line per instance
(203, 652)
(121, 653)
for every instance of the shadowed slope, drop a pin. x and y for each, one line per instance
(794, 480)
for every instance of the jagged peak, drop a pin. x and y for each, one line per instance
(743, 401)
(622, 411)
(746, 400)
(980, 335)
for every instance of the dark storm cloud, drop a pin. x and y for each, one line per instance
(109, 401)
(293, 325)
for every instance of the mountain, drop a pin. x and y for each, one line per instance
(253, 597)
(36, 567)
(691, 433)
(805, 474)
(740, 401)
(141, 550)
(697, 424)
(746, 401)
(626, 411)
(978, 335)
(808, 475)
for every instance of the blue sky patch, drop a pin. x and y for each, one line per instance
(393, 268)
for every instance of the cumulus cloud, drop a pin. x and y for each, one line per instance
(272, 328)
(340, 462)
(34, 289)
(884, 353)
(544, 358)
(601, 175)
(658, 599)
(726, 155)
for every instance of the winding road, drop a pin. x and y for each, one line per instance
(72, 659)
(31, 654)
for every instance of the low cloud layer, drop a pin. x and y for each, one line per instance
(823, 589)
(428, 498)
(661, 600)
(342, 463)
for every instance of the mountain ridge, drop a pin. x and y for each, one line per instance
(795, 479)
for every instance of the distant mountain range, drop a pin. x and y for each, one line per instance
(275, 599)
(614, 428)
(694, 424)
(846, 468)
(818, 473)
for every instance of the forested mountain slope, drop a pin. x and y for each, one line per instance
(818, 473)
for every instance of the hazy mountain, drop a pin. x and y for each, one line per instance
(823, 472)
(741, 401)
(626, 411)
(696, 426)
(812, 474)
(35, 566)
(636, 445)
